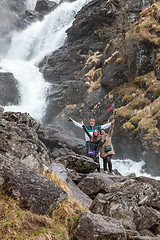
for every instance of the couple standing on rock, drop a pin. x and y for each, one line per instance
(97, 139)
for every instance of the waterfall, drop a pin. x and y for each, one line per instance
(29, 47)
(30, 4)
(128, 166)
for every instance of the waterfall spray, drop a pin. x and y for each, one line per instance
(29, 47)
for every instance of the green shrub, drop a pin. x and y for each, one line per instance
(157, 93)
(137, 29)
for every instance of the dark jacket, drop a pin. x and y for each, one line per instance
(95, 144)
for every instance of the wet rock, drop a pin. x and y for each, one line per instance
(101, 12)
(34, 192)
(94, 227)
(28, 18)
(45, 6)
(9, 89)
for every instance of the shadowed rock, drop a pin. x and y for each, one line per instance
(56, 138)
(34, 192)
(9, 90)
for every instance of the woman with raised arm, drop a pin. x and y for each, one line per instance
(91, 127)
(106, 148)
(95, 141)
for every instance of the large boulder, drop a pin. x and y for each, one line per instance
(34, 192)
(19, 139)
(95, 226)
(79, 163)
(60, 141)
(95, 183)
(45, 6)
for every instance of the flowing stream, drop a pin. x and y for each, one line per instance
(29, 47)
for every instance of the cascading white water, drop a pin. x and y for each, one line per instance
(30, 4)
(29, 47)
(128, 166)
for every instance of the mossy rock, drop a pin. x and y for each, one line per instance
(135, 119)
(127, 98)
(145, 81)
(139, 102)
(129, 126)
(147, 124)
(125, 113)
(127, 89)
(157, 93)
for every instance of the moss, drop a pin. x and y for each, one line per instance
(129, 126)
(119, 60)
(127, 89)
(147, 124)
(127, 98)
(135, 119)
(137, 29)
(139, 102)
(125, 113)
(157, 93)
(146, 80)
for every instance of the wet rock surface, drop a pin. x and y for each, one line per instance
(9, 90)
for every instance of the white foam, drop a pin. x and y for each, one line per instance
(128, 166)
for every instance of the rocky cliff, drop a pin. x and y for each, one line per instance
(112, 54)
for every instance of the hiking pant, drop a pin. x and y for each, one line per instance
(106, 160)
(96, 159)
(87, 147)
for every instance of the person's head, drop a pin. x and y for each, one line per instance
(102, 132)
(96, 134)
(92, 122)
